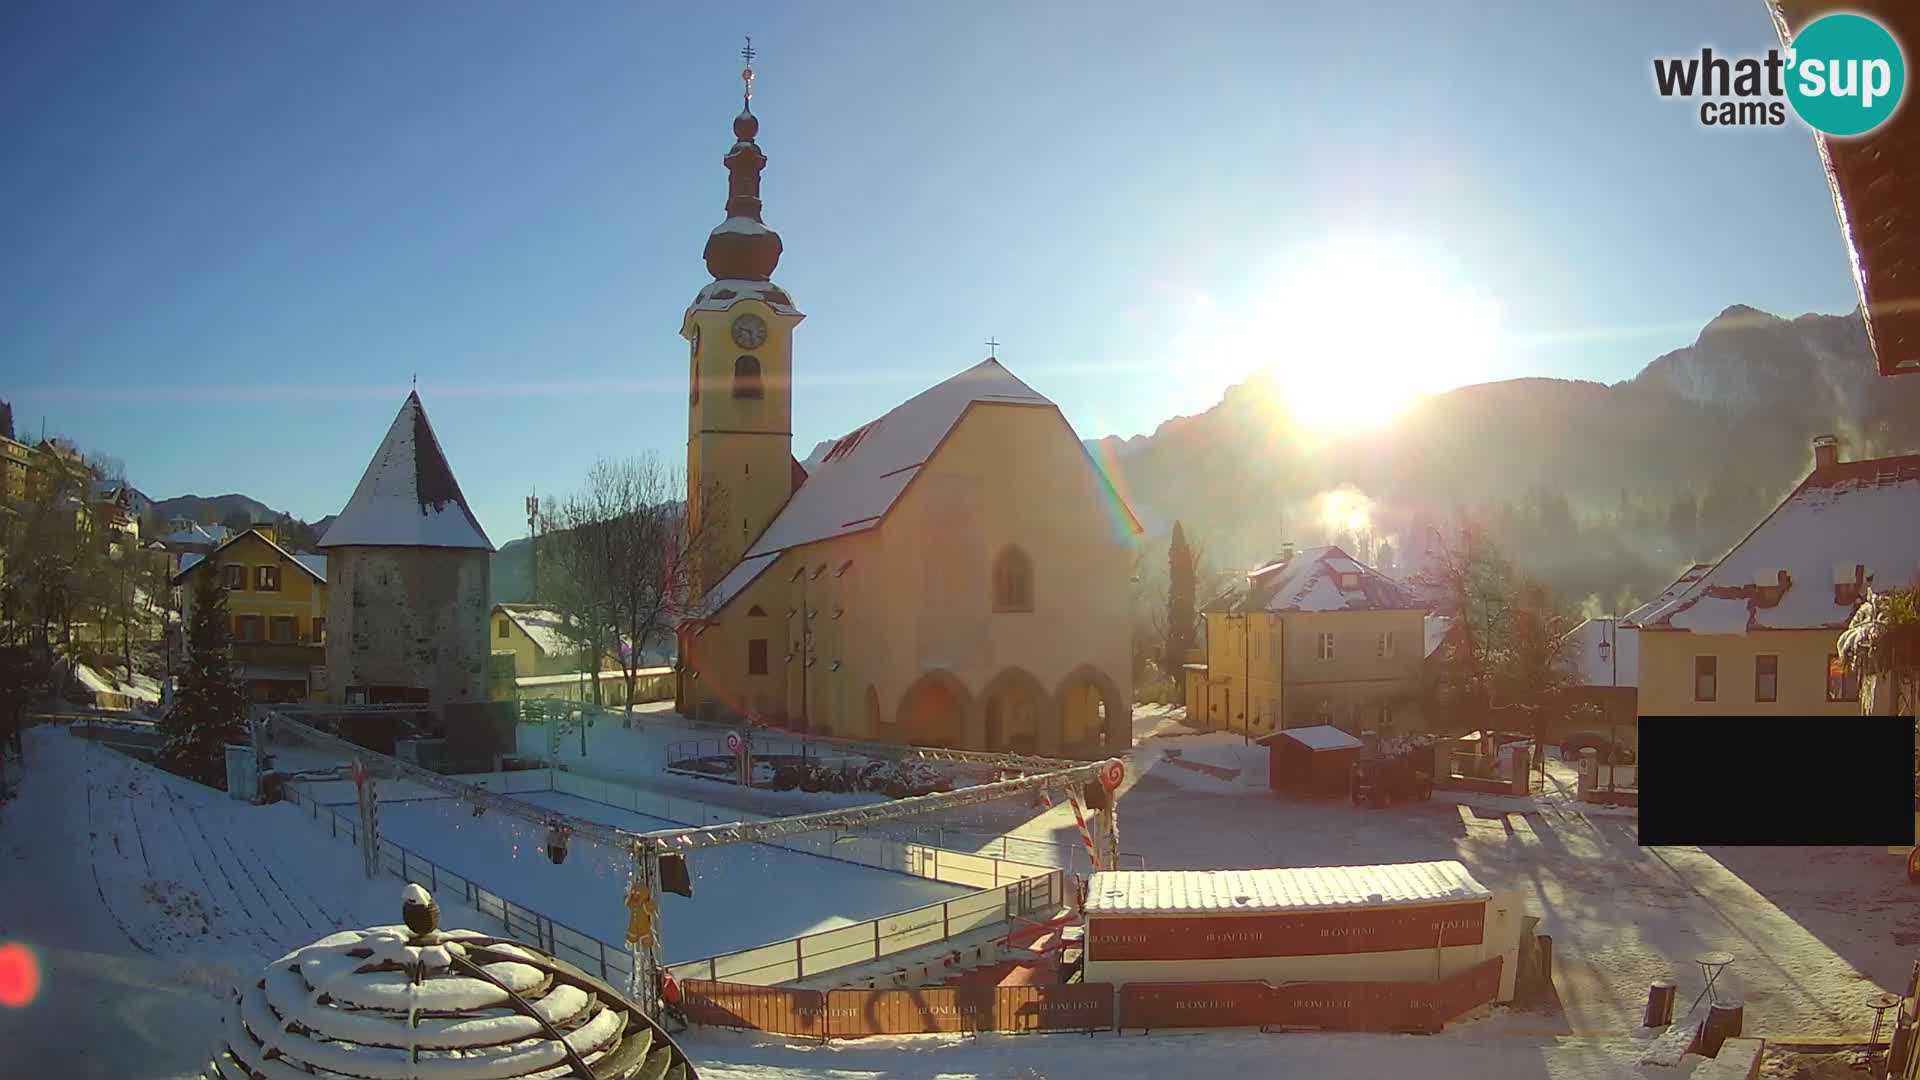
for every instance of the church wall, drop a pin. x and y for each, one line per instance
(918, 596)
(409, 617)
(1035, 488)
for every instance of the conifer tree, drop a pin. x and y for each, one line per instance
(1180, 601)
(209, 705)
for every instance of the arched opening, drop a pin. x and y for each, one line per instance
(872, 711)
(1094, 717)
(1012, 580)
(746, 378)
(1014, 702)
(933, 711)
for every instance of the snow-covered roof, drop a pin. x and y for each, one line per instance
(1864, 513)
(724, 293)
(1621, 667)
(1316, 737)
(857, 481)
(1692, 574)
(1311, 581)
(742, 575)
(1301, 888)
(1437, 627)
(196, 534)
(408, 496)
(547, 627)
(312, 564)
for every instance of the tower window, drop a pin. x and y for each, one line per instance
(693, 382)
(1012, 581)
(746, 378)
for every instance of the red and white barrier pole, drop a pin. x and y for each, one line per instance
(1086, 838)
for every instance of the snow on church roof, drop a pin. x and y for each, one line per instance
(1863, 513)
(408, 496)
(858, 480)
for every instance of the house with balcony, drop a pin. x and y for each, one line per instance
(1758, 633)
(1313, 637)
(277, 601)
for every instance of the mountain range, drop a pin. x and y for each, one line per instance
(1732, 413)
(1649, 474)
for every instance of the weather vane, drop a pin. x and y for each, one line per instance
(746, 75)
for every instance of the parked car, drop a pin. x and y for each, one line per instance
(1382, 781)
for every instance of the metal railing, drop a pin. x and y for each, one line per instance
(613, 963)
(830, 950)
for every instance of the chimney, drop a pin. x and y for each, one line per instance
(1286, 552)
(1826, 452)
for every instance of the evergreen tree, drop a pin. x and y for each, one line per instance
(209, 705)
(1180, 600)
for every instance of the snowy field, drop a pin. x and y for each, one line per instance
(743, 895)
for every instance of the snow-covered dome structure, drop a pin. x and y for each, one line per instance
(414, 1001)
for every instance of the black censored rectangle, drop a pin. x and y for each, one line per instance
(1776, 780)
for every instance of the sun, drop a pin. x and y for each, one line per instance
(1354, 330)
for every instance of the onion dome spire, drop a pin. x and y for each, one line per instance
(743, 247)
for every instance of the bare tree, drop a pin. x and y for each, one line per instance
(633, 557)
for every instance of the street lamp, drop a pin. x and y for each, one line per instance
(1610, 654)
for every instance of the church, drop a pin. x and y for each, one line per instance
(954, 573)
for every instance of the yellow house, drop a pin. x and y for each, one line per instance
(1314, 637)
(277, 601)
(953, 573)
(1759, 632)
(546, 662)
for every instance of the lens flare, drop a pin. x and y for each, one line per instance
(19, 975)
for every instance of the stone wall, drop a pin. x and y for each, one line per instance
(409, 617)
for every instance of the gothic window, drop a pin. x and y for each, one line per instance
(1012, 581)
(693, 382)
(746, 378)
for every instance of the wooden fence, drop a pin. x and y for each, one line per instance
(853, 1014)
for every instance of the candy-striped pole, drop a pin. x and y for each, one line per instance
(1080, 819)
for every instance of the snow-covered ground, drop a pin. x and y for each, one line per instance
(145, 897)
(732, 886)
(1814, 931)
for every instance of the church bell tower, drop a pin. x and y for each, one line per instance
(739, 331)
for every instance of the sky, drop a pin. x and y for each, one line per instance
(237, 232)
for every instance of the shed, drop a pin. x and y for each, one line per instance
(1311, 761)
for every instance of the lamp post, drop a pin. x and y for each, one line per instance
(1610, 653)
(1246, 677)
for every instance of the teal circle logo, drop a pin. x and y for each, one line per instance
(1845, 74)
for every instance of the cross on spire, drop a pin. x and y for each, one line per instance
(993, 349)
(746, 74)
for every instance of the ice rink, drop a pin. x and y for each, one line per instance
(743, 895)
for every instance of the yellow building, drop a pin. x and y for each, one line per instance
(953, 573)
(546, 662)
(1314, 637)
(277, 601)
(1759, 632)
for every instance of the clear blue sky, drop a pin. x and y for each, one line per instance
(235, 230)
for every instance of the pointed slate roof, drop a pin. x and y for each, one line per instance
(408, 496)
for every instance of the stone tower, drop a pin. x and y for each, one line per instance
(740, 467)
(409, 581)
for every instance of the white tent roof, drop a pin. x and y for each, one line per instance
(408, 496)
(1316, 737)
(1298, 888)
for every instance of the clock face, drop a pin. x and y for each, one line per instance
(749, 332)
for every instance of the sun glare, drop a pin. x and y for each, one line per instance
(1351, 332)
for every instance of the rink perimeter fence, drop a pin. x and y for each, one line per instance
(1007, 889)
(1422, 1007)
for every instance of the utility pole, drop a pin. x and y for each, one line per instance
(1246, 675)
(533, 546)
